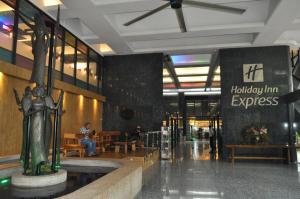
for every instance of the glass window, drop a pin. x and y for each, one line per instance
(81, 66)
(6, 31)
(69, 58)
(58, 60)
(24, 56)
(93, 74)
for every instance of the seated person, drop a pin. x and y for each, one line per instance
(123, 137)
(86, 141)
(139, 133)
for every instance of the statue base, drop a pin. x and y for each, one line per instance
(21, 180)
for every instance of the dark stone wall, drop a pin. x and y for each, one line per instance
(133, 82)
(276, 70)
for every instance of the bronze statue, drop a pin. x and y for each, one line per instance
(37, 127)
(40, 44)
(24, 106)
(37, 105)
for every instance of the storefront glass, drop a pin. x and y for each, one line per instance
(6, 31)
(69, 58)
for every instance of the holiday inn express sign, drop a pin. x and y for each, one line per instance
(252, 81)
(250, 95)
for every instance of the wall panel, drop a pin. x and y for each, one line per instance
(78, 108)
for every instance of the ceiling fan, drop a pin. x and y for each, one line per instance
(177, 6)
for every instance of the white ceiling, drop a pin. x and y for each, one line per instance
(266, 22)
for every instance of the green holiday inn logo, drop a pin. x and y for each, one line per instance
(253, 72)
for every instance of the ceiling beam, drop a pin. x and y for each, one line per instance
(194, 65)
(280, 20)
(97, 22)
(214, 62)
(192, 75)
(170, 67)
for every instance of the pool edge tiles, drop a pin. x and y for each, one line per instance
(123, 183)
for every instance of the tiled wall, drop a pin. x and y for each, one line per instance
(133, 82)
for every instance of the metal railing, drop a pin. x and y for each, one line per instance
(152, 139)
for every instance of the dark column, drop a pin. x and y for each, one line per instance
(182, 111)
(252, 81)
(204, 107)
(133, 75)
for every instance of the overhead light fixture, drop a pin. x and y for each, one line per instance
(106, 49)
(218, 70)
(51, 2)
(193, 79)
(217, 78)
(165, 72)
(191, 90)
(203, 93)
(183, 90)
(192, 70)
(169, 85)
(179, 60)
(213, 89)
(193, 85)
(4, 7)
(170, 94)
(167, 80)
(215, 84)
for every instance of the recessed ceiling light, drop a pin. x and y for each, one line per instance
(51, 2)
(218, 70)
(192, 70)
(167, 80)
(169, 86)
(170, 94)
(4, 7)
(203, 93)
(216, 84)
(191, 59)
(192, 79)
(106, 49)
(165, 72)
(193, 85)
(217, 78)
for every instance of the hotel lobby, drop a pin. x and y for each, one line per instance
(140, 99)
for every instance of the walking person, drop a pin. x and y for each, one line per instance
(211, 139)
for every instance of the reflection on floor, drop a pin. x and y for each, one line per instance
(200, 150)
(190, 176)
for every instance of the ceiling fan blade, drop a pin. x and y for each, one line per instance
(180, 18)
(148, 14)
(214, 6)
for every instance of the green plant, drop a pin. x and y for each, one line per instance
(297, 135)
(255, 134)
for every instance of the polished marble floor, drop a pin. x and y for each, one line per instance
(192, 175)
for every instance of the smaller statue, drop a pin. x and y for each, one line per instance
(24, 106)
(33, 105)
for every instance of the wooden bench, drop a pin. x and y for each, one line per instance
(234, 157)
(72, 143)
(125, 144)
(108, 138)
